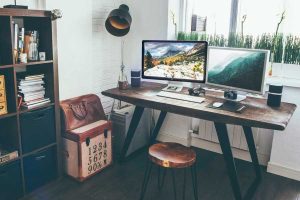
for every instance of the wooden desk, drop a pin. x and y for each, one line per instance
(257, 114)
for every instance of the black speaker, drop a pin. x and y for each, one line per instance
(276, 89)
(135, 78)
(274, 95)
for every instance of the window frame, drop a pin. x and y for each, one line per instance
(183, 20)
(289, 73)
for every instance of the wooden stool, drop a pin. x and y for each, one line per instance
(172, 156)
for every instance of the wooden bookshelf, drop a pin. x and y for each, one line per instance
(32, 63)
(15, 133)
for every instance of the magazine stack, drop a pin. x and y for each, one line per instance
(32, 91)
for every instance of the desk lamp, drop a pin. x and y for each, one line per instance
(118, 24)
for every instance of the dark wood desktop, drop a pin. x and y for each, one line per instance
(256, 114)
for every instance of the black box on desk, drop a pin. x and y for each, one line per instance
(135, 78)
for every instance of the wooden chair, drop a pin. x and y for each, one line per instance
(171, 156)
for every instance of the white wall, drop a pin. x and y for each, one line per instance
(106, 51)
(149, 21)
(74, 36)
(89, 57)
(285, 159)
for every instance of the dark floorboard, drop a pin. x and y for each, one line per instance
(123, 182)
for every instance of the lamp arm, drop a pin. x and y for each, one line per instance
(122, 51)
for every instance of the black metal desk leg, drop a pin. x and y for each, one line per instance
(251, 145)
(138, 111)
(157, 127)
(228, 157)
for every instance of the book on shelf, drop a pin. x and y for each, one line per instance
(16, 32)
(31, 82)
(21, 42)
(34, 77)
(15, 35)
(29, 106)
(41, 100)
(33, 93)
(33, 97)
(31, 89)
(6, 156)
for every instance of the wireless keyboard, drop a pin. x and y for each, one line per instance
(179, 96)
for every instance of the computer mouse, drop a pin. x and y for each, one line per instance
(217, 104)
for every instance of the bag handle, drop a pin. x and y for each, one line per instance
(79, 111)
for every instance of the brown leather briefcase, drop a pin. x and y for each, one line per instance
(80, 111)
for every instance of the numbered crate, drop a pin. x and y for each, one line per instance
(87, 149)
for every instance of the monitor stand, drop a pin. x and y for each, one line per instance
(240, 97)
(234, 96)
(173, 87)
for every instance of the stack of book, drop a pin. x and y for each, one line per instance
(32, 91)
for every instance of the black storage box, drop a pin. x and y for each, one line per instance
(11, 181)
(37, 129)
(40, 168)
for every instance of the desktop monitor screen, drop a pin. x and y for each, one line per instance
(241, 69)
(174, 60)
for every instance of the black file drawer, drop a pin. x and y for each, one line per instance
(40, 168)
(37, 129)
(10, 181)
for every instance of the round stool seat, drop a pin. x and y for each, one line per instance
(172, 155)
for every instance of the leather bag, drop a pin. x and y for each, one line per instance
(80, 111)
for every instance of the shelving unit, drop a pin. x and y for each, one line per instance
(34, 133)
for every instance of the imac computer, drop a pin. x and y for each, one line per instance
(237, 70)
(181, 61)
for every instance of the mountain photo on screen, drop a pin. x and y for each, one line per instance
(236, 68)
(175, 60)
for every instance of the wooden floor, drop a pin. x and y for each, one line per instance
(123, 182)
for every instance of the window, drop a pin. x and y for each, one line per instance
(246, 24)
(264, 18)
(260, 17)
(216, 13)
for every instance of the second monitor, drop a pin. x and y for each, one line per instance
(237, 69)
(183, 61)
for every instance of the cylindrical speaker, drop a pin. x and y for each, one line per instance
(274, 99)
(136, 78)
(276, 89)
(274, 95)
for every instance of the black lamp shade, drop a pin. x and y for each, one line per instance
(118, 21)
